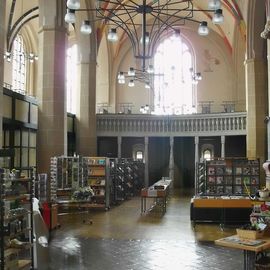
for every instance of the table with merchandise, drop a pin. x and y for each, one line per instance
(250, 247)
(159, 192)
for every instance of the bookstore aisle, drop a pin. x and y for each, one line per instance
(123, 239)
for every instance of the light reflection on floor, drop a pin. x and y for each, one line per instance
(122, 239)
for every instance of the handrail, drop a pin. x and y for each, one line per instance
(171, 125)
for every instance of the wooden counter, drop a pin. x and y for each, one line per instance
(221, 210)
(220, 203)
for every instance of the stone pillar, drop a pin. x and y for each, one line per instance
(256, 97)
(86, 140)
(266, 35)
(171, 161)
(2, 47)
(119, 144)
(146, 163)
(268, 117)
(196, 141)
(223, 146)
(51, 94)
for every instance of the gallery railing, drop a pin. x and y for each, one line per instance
(173, 125)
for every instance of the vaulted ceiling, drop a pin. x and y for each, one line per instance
(21, 13)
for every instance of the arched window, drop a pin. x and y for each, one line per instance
(138, 151)
(139, 155)
(207, 154)
(18, 65)
(71, 77)
(173, 88)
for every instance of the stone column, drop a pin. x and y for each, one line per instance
(119, 144)
(2, 47)
(256, 96)
(222, 146)
(171, 161)
(86, 138)
(196, 141)
(266, 35)
(146, 163)
(51, 94)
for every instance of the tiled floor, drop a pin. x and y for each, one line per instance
(123, 239)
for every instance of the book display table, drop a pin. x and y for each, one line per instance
(250, 248)
(158, 192)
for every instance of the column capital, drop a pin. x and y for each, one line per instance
(222, 139)
(171, 140)
(146, 140)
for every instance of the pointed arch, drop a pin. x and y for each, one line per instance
(18, 65)
(174, 92)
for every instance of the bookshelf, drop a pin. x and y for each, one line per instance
(228, 177)
(96, 176)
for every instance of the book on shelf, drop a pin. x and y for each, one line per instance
(219, 171)
(246, 170)
(220, 189)
(238, 170)
(254, 180)
(255, 170)
(228, 189)
(220, 180)
(211, 180)
(246, 180)
(238, 180)
(228, 180)
(228, 170)
(212, 189)
(211, 170)
(238, 189)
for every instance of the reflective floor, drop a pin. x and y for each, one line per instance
(123, 239)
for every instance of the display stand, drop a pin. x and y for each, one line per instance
(96, 175)
(223, 189)
(78, 181)
(16, 220)
(127, 177)
(228, 177)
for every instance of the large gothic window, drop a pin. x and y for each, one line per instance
(71, 78)
(173, 88)
(18, 65)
